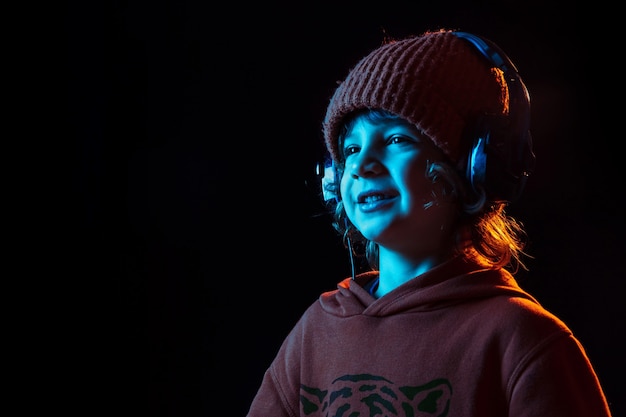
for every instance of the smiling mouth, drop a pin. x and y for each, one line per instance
(372, 202)
(366, 199)
(375, 196)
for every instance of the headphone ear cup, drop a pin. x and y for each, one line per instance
(499, 159)
(328, 173)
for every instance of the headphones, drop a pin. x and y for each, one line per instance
(500, 158)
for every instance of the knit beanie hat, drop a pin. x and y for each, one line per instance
(437, 81)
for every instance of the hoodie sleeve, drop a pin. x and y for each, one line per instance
(269, 400)
(557, 379)
(278, 395)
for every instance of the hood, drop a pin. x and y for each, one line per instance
(454, 282)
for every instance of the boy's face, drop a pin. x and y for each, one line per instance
(385, 189)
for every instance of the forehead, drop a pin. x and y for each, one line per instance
(374, 118)
(382, 121)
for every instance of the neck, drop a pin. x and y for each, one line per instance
(396, 269)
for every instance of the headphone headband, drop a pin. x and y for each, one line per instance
(501, 157)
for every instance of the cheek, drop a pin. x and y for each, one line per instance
(344, 187)
(415, 180)
(344, 184)
(344, 193)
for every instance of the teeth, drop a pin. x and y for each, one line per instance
(372, 198)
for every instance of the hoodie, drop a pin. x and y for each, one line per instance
(456, 341)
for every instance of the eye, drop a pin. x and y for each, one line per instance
(398, 139)
(350, 150)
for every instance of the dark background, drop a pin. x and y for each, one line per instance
(194, 227)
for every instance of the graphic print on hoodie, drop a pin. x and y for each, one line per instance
(371, 395)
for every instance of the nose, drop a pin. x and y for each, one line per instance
(365, 164)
